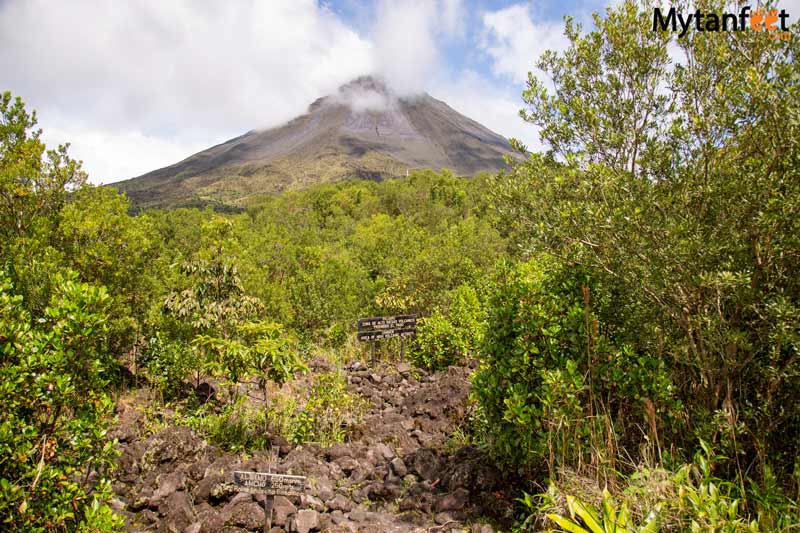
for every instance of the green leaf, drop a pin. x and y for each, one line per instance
(585, 513)
(567, 524)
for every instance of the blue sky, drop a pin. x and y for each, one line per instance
(141, 84)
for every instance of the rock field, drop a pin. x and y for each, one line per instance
(399, 471)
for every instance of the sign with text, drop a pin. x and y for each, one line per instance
(385, 334)
(272, 484)
(399, 322)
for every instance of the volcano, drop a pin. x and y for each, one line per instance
(363, 131)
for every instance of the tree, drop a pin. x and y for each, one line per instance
(55, 361)
(610, 93)
(272, 355)
(673, 181)
(108, 247)
(33, 181)
(207, 312)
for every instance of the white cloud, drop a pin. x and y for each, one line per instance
(361, 99)
(123, 153)
(495, 106)
(453, 17)
(407, 35)
(142, 84)
(514, 42)
(170, 70)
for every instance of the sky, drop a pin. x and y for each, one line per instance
(141, 84)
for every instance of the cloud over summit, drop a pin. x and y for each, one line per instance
(407, 36)
(140, 84)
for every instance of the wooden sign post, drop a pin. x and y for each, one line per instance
(385, 327)
(269, 485)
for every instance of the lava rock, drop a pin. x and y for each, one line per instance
(340, 503)
(426, 464)
(282, 509)
(454, 501)
(337, 451)
(177, 512)
(306, 520)
(167, 484)
(307, 500)
(248, 515)
(193, 528)
(325, 490)
(399, 467)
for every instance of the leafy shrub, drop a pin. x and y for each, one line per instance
(239, 425)
(438, 343)
(468, 315)
(170, 365)
(707, 503)
(261, 349)
(53, 376)
(329, 412)
(336, 336)
(546, 386)
(584, 518)
(446, 339)
(270, 352)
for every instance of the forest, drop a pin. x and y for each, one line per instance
(627, 303)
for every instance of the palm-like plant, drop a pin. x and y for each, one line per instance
(586, 519)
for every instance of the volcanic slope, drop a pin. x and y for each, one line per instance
(362, 131)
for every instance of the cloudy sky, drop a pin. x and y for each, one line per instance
(140, 84)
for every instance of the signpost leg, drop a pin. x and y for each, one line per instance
(402, 349)
(373, 353)
(268, 500)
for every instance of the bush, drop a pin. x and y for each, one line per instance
(438, 343)
(170, 365)
(336, 336)
(555, 383)
(239, 425)
(685, 209)
(329, 412)
(53, 375)
(446, 339)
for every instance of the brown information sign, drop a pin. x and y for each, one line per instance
(385, 327)
(271, 484)
(400, 322)
(385, 334)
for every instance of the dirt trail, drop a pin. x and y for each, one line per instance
(400, 471)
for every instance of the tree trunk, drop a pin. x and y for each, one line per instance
(266, 410)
